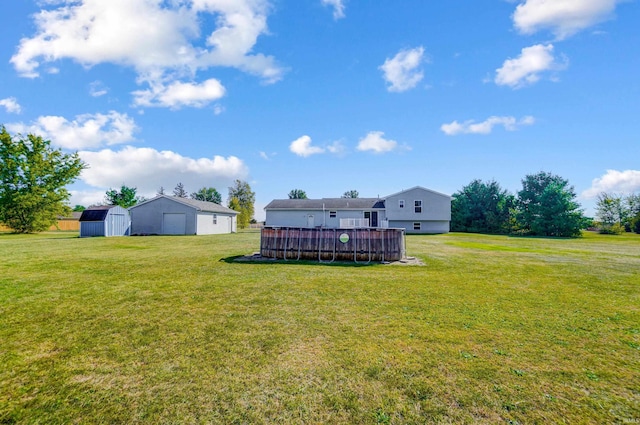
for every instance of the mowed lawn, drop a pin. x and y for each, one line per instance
(492, 329)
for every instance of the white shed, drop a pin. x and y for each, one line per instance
(170, 215)
(105, 220)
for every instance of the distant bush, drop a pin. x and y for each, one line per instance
(613, 229)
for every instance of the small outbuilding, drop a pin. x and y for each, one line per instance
(105, 220)
(171, 215)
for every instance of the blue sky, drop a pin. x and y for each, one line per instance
(328, 95)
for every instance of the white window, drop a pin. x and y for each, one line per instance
(333, 214)
(215, 219)
(416, 225)
(418, 206)
(401, 203)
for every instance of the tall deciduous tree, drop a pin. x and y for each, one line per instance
(125, 197)
(350, 194)
(33, 177)
(633, 204)
(241, 199)
(610, 212)
(547, 207)
(209, 194)
(297, 194)
(481, 208)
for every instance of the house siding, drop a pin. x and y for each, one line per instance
(435, 206)
(299, 218)
(425, 226)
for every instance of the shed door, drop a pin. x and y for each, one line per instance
(174, 224)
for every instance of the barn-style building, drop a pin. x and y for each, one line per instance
(170, 215)
(105, 220)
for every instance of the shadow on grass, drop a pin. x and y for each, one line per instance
(252, 260)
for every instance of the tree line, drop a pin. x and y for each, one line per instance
(545, 206)
(34, 176)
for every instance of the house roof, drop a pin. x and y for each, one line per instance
(198, 205)
(97, 213)
(325, 203)
(416, 187)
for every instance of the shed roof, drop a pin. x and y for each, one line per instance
(97, 213)
(198, 205)
(325, 203)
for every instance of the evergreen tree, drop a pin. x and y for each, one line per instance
(179, 191)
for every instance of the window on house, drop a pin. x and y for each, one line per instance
(416, 226)
(215, 219)
(333, 214)
(418, 206)
(401, 203)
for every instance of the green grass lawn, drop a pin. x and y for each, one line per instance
(492, 329)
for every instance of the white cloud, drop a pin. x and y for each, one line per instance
(11, 105)
(401, 71)
(178, 94)
(337, 148)
(302, 147)
(485, 127)
(85, 131)
(97, 89)
(161, 40)
(338, 8)
(147, 169)
(614, 181)
(563, 17)
(375, 142)
(526, 69)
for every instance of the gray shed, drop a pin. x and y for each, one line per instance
(105, 220)
(170, 215)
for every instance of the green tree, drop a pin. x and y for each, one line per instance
(297, 194)
(546, 207)
(209, 194)
(241, 199)
(33, 180)
(350, 194)
(180, 191)
(79, 208)
(633, 213)
(611, 213)
(481, 208)
(126, 197)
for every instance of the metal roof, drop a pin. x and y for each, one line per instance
(325, 203)
(199, 205)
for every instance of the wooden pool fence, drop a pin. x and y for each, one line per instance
(361, 245)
